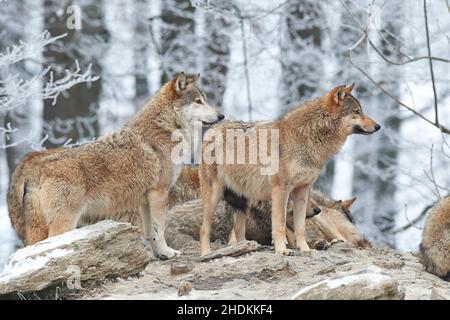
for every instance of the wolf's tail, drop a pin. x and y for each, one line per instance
(36, 227)
(15, 201)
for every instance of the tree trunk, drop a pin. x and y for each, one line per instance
(178, 49)
(216, 55)
(141, 53)
(74, 116)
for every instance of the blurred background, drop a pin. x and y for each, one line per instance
(73, 70)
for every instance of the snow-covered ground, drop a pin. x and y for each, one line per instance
(8, 238)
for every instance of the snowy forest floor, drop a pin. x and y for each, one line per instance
(264, 275)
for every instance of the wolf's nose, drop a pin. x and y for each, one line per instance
(316, 210)
(221, 116)
(377, 127)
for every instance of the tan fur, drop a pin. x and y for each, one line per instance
(129, 168)
(308, 136)
(435, 246)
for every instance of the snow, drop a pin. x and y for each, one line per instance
(371, 280)
(20, 265)
(8, 238)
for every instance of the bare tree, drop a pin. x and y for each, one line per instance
(74, 116)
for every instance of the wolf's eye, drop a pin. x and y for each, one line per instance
(198, 101)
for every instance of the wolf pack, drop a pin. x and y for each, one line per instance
(131, 174)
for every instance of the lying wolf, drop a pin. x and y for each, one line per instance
(129, 168)
(435, 246)
(308, 136)
(334, 223)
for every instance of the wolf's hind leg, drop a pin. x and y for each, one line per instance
(62, 222)
(239, 226)
(144, 211)
(158, 200)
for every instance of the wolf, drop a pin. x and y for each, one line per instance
(308, 136)
(32, 226)
(435, 245)
(334, 223)
(128, 168)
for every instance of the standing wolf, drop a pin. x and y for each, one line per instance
(308, 136)
(129, 168)
(435, 246)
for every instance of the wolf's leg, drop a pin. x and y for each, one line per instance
(232, 240)
(158, 199)
(279, 204)
(290, 236)
(239, 226)
(144, 211)
(300, 197)
(211, 194)
(63, 222)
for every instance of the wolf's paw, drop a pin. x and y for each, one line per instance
(168, 253)
(232, 241)
(321, 245)
(307, 253)
(286, 252)
(334, 241)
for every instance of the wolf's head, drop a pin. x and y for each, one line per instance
(347, 108)
(190, 101)
(339, 212)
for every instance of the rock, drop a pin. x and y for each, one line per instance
(184, 288)
(391, 264)
(105, 249)
(439, 294)
(179, 268)
(370, 284)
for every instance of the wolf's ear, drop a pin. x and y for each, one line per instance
(346, 204)
(337, 205)
(180, 82)
(349, 89)
(334, 97)
(195, 78)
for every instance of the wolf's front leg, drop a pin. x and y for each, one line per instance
(212, 193)
(300, 198)
(158, 199)
(279, 204)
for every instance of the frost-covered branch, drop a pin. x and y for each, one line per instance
(16, 91)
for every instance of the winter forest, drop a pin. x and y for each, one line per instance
(73, 70)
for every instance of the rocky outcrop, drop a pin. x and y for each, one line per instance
(106, 249)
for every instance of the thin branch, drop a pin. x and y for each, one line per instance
(436, 111)
(398, 63)
(442, 128)
(413, 222)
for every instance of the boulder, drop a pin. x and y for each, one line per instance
(106, 249)
(369, 284)
(439, 294)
